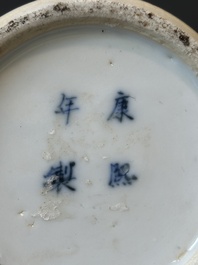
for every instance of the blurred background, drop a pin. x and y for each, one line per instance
(187, 11)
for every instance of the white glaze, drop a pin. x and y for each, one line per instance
(42, 16)
(153, 221)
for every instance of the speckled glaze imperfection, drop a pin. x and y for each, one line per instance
(41, 16)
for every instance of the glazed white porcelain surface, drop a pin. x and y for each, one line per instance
(115, 115)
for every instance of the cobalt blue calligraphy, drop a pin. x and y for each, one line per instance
(60, 176)
(66, 106)
(121, 108)
(120, 175)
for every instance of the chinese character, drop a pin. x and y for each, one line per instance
(121, 108)
(119, 175)
(66, 106)
(59, 176)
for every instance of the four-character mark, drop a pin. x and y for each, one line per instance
(62, 175)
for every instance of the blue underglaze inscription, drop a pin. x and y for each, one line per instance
(119, 174)
(60, 176)
(66, 106)
(121, 108)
